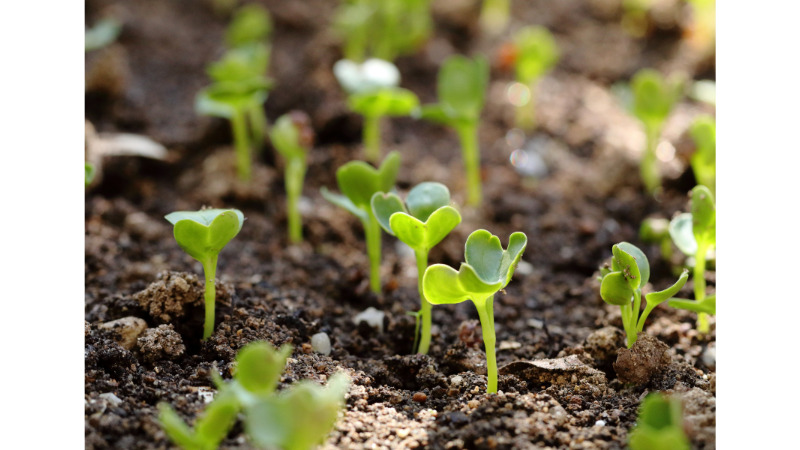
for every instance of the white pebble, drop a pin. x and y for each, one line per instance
(600, 423)
(321, 343)
(373, 318)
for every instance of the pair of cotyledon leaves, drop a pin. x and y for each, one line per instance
(630, 271)
(239, 82)
(700, 225)
(461, 87)
(359, 181)
(488, 268)
(654, 96)
(373, 88)
(537, 53)
(202, 234)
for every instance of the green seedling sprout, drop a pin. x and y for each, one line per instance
(537, 54)
(695, 234)
(90, 172)
(382, 29)
(488, 269)
(359, 181)
(103, 33)
(373, 93)
(655, 230)
(462, 90)
(704, 159)
(622, 286)
(293, 137)
(494, 15)
(203, 234)
(660, 425)
(653, 100)
(296, 419)
(424, 220)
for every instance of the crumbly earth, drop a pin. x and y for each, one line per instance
(557, 340)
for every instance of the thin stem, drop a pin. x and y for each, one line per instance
(649, 164)
(637, 305)
(210, 271)
(486, 315)
(241, 144)
(526, 114)
(700, 284)
(295, 173)
(372, 138)
(258, 124)
(372, 231)
(425, 311)
(468, 135)
(628, 324)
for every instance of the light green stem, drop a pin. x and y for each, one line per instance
(242, 145)
(372, 138)
(494, 15)
(649, 165)
(258, 124)
(372, 231)
(210, 271)
(425, 312)
(468, 135)
(700, 285)
(486, 315)
(295, 173)
(629, 324)
(526, 114)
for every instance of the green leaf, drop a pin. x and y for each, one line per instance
(441, 285)
(704, 215)
(434, 113)
(224, 99)
(344, 202)
(383, 206)
(251, 23)
(176, 429)
(655, 298)
(217, 420)
(202, 234)
(90, 172)
(633, 264)
(654, 230)
(680, 230)
(259, 366)
(393, 101)
(427, 197)
(299, 418)
(241, 64)
(537, 53)
(358, 180)
(615, 289)
(462, 86)
(440, 224)
(704, 160)
(660, 425)
(654, 97)
(485, 254)
(708, 305)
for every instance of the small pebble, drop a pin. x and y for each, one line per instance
(473, 404)
(321, 343)
(600, 423)
(373, 318)
(128, 328)
(420, 397)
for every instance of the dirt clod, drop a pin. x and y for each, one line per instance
(172, 293)
(162, 342)
(647, 358)
(420, 397)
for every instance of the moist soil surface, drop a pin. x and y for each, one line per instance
(557, 340)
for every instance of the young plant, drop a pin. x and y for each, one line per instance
(660, 425)
(655, 230)
(90, 171)
(203, 234)
(424, 220)
(462, 89)
(293, 137)
(494, 15)
(653, 100)
(488, 269)
(297, 418)
(373, 93)
(359, 181)
(695, 234)
(704, 159)
(537, 53)
(622, 286)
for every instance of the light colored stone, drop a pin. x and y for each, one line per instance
(321, 343)
(129, 328)
(373, 318)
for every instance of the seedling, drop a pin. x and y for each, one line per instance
(293, 137)
(296, 419)
(488, 269)
(203, 234)
(653, 100)
(494, 15)
(704, 159)
(462, 89)
(359, 181)
(695, 234)
(655, 230)
(537, 53)
(90, 171)
(660, 425)
(382, 29)
(421, 223)
(374, 94)
(622, 286)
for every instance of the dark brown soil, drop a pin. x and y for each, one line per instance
(557, 340)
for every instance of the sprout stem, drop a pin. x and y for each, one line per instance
(210, 271)
(372, 138)
(242, 145)
(629, 324)
(486, 315)
(700, 284)
(526, 114)
(372, 231)
(649, 165)
(468, 135)
(425, 312)
(258, 123)
(295, 173)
